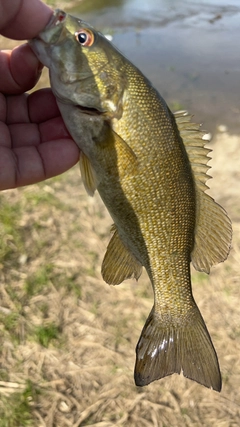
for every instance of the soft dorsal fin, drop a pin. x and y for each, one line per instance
(119, 264)
(88, 174)
(213, 230)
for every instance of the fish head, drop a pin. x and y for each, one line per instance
(85, 69)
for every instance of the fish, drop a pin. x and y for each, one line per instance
(150, 167)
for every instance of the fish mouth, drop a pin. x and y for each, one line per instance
(58, 17)
(53, 31)
(90, 111)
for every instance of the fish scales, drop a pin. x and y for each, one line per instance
(155, 161)
(150, 169)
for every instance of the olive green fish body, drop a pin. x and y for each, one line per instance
(161, 171)
(149, 167)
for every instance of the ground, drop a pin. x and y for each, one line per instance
(68, 339)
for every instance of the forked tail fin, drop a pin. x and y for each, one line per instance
(168, 347)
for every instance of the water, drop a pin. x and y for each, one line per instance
(188, 49)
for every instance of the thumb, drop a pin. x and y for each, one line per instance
(23, 19)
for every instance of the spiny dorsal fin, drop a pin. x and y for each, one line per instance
(213, 230)
(192, 137)
(119, 264)
(88, 174)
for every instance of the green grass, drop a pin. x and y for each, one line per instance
(176, 106)
(10, 323)
(4, 375)
(37, 281)
(11, 241)
(45, 334)
(15, 409)
(71, 286)
(200, 278)
(43, 197)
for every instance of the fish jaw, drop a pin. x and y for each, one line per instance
(49, 44)
(60, 26)
(41, 45)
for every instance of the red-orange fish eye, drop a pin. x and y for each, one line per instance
(85, 37)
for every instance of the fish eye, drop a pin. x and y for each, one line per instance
(84, 37)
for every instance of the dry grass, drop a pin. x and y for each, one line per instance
(68, 339)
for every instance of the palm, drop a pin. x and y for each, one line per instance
(34, 143)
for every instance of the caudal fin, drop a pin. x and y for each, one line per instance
(168, 347)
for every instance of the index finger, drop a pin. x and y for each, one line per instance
(23, 19)
(19, 70)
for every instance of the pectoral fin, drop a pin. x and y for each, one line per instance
(88, 174)
(213, 231)
(118, 158)
(119, 264)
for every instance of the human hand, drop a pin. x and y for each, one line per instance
(34, 143)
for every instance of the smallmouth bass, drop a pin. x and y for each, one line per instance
(150, 169)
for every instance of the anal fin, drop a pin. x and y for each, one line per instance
(119, 263)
